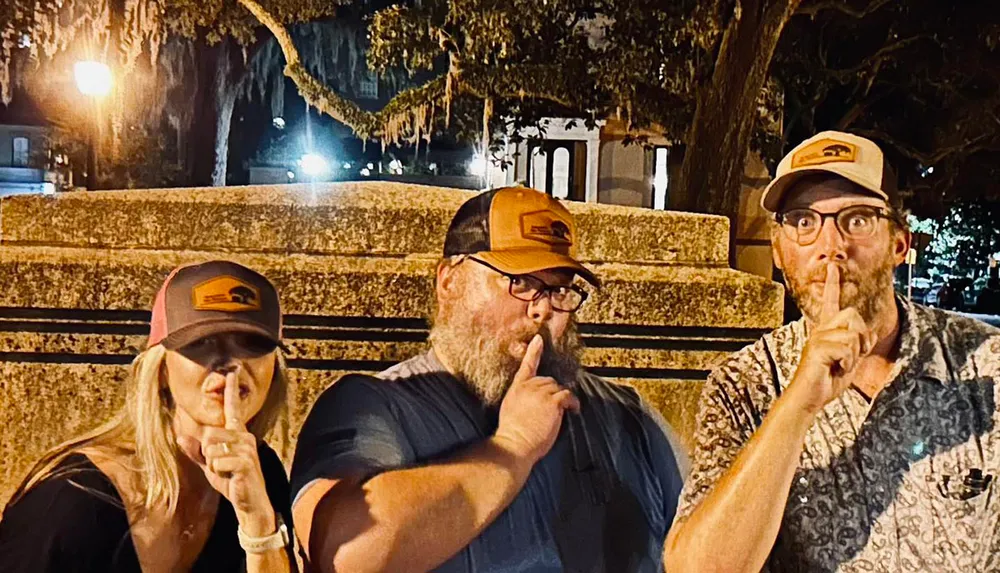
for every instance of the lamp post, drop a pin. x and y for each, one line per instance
(93, 79)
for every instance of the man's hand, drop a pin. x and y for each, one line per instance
(531, 413)
(832, 351)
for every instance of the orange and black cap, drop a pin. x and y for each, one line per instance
(517, 230)
(215, 297)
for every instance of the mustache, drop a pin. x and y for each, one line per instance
(846, 275)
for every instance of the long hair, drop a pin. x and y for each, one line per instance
(142, 432)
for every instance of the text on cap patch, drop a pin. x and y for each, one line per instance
(546, 227)
(226, 294)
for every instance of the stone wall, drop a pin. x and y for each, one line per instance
(354, 265)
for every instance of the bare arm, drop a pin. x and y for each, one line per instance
(274, 561)
(752, 494)
(229, 458)
(735, 526)
(415, 519)
(412, 519)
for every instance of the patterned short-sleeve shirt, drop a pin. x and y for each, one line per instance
(906, 482)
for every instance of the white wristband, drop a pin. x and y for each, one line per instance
(276, 540)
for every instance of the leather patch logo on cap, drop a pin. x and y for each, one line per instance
(547, 227)
(825, 151)
(226, 294)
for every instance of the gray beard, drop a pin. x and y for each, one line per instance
(481, 361)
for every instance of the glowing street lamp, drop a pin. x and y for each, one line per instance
(314, 165)
(478, 165)
(93, 79)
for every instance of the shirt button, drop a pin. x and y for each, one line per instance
(803, 481)
(803, 499)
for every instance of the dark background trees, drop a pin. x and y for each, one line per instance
(920, 77)
(717, 77)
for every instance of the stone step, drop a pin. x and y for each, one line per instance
(79, 341)
(373, 218)
(632, 296)
(68, 399)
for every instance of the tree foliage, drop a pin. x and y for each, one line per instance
(179, 66)
(963, 240)
(654, 64)
(921, 77)
(119, 32)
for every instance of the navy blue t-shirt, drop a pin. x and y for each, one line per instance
(600, 501)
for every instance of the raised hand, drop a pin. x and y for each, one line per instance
(532, 410)
(832, 351)
(232, 467)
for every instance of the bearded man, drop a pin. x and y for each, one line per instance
(494, 451)
(865, 436)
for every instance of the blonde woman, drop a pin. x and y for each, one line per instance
(180, 480)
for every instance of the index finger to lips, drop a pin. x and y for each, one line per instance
(232, 403)
(532, 355)
(831, 293)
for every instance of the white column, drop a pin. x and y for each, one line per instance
(593, 161)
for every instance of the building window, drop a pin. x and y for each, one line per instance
(22, 151)
(660, 178)
(560, 173)
(553, 169)
(368, 86)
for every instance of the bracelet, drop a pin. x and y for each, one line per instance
(276, 540)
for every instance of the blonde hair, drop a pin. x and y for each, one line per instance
(142, 429)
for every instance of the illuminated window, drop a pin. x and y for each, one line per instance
(560, 173)
(539, 164)
(660, 178)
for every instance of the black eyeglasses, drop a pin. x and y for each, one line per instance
(529, 289)
(854, 222)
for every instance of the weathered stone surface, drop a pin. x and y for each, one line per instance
(385, 219)
(677, 400)
(385, 351)
(44, 404)
(54, 277)
(354, 265)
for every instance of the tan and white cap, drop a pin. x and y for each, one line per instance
(849, 156)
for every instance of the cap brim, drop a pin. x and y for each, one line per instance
(192, 332)
(775, 190)
(528, 261)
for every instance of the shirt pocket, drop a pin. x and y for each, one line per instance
(951, 498)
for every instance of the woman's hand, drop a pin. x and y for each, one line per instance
(233, 468)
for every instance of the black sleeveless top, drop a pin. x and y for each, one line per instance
(75, 522)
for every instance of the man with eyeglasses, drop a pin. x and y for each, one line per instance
(494, 451)
(863, 437)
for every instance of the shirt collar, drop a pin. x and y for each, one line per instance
(921, 351)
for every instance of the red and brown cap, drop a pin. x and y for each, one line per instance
(517, 230)
(211, 298)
